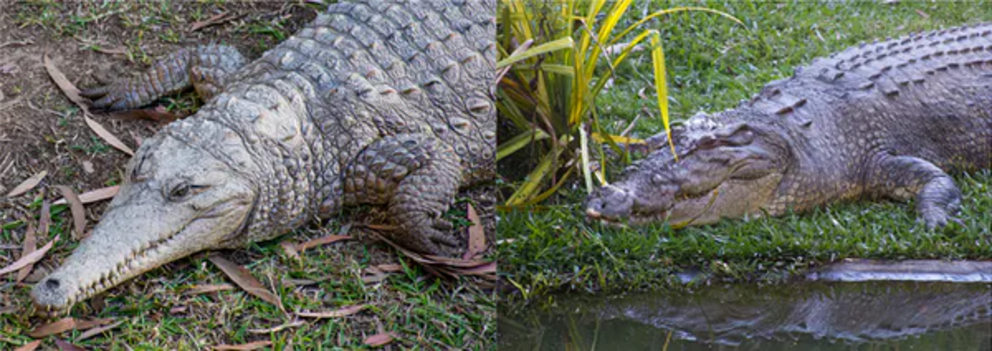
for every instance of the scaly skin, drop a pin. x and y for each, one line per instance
(883, 120)
(381, 103)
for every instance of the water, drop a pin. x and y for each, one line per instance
(800, 316)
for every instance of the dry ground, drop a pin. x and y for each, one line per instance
(40, 130)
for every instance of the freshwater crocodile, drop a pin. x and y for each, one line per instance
(882, 120)
(382, 102)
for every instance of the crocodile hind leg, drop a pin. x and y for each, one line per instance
(417, 176)
(203, 67)
(906, 177)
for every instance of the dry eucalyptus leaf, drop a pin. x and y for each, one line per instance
(97, 331)
(29, 258)
(29, 346)
(56, 327)
(94, 195)
(245, 280)
(476, 235)
(321, 241)
(78, 213)
(107, 136)
(27, 184)
(209, 288)
(243, 347)
(379, 339)
(342, 312)
(30, 244)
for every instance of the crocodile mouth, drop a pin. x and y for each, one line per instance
(148, 256)
(642, 215)
(109, 278)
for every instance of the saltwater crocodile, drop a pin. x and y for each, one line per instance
(882, 120)
(384, 103)
(749, 316)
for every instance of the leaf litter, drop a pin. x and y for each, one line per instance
(72, 93)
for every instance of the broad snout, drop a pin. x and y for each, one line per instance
(610, 203)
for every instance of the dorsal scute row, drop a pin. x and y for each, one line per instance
(887, 67)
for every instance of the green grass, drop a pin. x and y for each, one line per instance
(712, 64)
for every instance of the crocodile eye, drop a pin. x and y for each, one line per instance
(180, 192)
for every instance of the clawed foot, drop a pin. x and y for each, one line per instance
(434, 238)
(110, 95)
(935, 217)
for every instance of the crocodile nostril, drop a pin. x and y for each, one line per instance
(52, 284)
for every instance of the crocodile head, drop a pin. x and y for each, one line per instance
(724, 170)
(175, 201)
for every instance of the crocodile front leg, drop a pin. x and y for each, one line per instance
(417, 176)
(905, 177)
(203, 67)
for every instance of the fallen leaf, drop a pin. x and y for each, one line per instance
(209, 288)
(64, 84)
(97, 331)
(27, 184)
(177, 310)
(29, 258)
(30, 244)
(245, 280)
(111, 51)
(66, 346)
(56, 327)
(104, 134)
(29, 346)
(94, 195)
(321, 241)
(290, 247)
(213, 20)
(249, 346)
(922, 14)
(158, 114)
(78, 213)
(456, 262)
(342, 312)
(379, 339)
(293, 324)
(92, 323)
(485, 269)
(17, 43)
(72, 93)
(46, 218)
(476, 235)
(389, 267)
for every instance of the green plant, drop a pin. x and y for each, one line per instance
(550, 73)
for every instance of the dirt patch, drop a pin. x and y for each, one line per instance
(40, 130)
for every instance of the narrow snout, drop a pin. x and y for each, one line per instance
(610, 202)
(53, 295)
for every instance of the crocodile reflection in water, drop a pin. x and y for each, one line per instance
(732, 315)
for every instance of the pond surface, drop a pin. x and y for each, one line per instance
(800, 316)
